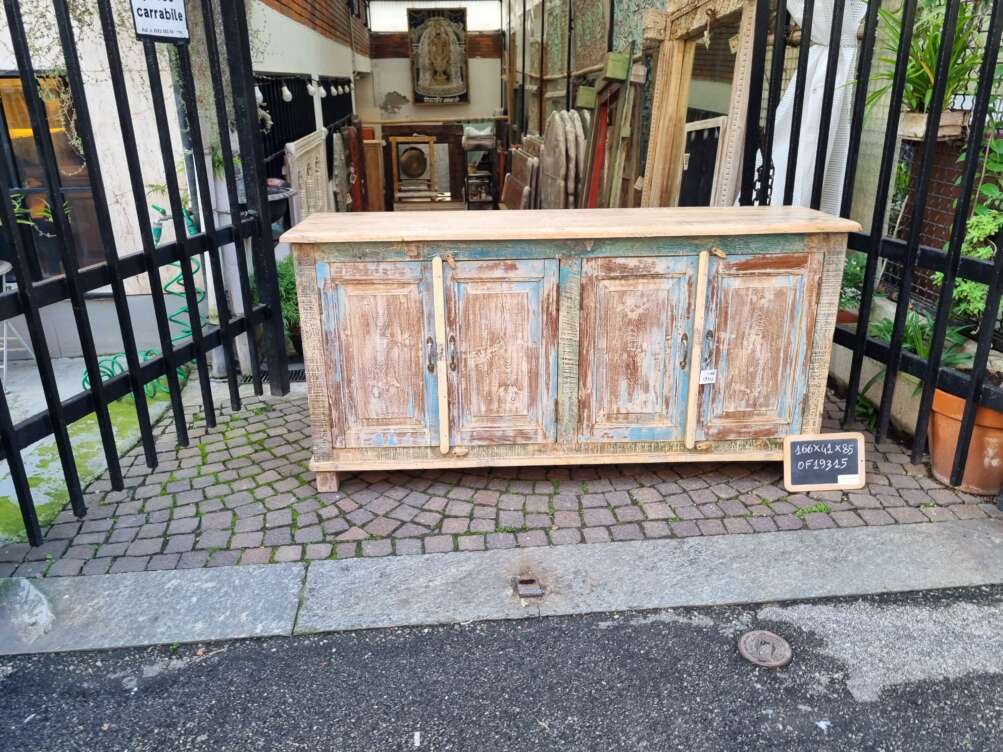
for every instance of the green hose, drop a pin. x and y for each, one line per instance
(113, 365)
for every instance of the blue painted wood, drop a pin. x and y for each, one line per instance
(758, 328)
(377, 320)
(636, 330)
(501, 320)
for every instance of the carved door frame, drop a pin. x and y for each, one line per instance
(678, 30)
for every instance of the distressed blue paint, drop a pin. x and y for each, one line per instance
(660, 362)
(548, 249)
(794, 383)
(529, 278)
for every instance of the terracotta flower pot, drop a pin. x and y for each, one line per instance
(844, 316)
(984, 469)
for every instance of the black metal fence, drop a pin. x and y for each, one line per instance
(230, 89)
(964, 69)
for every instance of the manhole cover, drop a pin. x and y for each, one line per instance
(765, 649)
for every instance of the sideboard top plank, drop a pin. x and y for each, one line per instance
(564, 224)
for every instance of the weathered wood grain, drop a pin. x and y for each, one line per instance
(759, 322)
(501, 330)
(634, 331)
(581, 224)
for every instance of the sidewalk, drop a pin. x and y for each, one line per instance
(147, 608)
(242, 494)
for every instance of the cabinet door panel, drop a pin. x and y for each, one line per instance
(501, 328)
(377, 320)
(760, 317)
(635, 341)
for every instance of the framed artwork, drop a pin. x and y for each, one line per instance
(438, 44)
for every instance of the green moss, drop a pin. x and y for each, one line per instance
(46, 479)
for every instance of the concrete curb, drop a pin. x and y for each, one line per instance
(125, 610)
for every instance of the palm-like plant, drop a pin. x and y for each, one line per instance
(921, 65)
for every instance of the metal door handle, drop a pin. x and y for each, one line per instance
(430, 343)
(452, 353)
(684, 344)
(709, 347)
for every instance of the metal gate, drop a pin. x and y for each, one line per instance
(976, 26)
(221, 33)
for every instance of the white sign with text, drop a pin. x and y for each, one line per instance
(160, 19)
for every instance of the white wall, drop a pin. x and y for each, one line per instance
(281, 45)
(388, 93)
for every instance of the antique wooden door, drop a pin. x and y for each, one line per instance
(501, 329)
(635, 344)
(757, 344)
(378, 331)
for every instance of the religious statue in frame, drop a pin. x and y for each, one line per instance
(438, 43)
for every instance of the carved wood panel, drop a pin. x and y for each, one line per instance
(501, 329)
(635, 330)
(306, 168)
(760, 316)
(377, 326)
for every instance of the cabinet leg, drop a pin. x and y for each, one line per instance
(327, 481)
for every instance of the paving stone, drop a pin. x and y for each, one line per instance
(455, 525)
(737, 525)
(346, 550)
(711, 527)
(179, 544)
(225, 558)
(598, 517)
(564, 536)
(967, 511)
(96, 566)
(500, 540)
(788, 522)
(436, 544)
(656, 529)
(163, 562)
(129, 564)
(213, 539)
(467, 543)
(381, 526)
(876, 517)
(316, 551)
(145, 547)
(631, 531)
(377, 547)
(406, 547)
(217, 521)
(908, 515)
(819, 521)
(532, 538)
(596, 535)
(685, 529)
(311, 534)
(938, 514)
(288, 553)
(762, 524)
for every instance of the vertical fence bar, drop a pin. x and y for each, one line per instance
(85, 133)
(772, 100)
(859, 106)
(135, 170)
(208, 223)
(249, 135)
(180, 230)
(523, 116)
(757, 69)
(916, 223)
(888, 159)
(825, 117)
(797, 114)
(36, 333)
(226, 149)
(15, 463)
(64, 234)
(972, 161)
(567, 60)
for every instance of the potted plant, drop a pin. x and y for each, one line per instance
(968, 299)
(921, 65)
(849, 292)
(290, 303)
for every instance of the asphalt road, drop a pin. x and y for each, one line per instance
(908, 672)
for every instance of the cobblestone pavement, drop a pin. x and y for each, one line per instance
(242, 494)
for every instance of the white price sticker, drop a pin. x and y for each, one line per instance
(849, 480)
(708, 376)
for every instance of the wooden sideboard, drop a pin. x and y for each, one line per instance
(564, 337)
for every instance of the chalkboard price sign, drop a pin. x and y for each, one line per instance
(824, 462)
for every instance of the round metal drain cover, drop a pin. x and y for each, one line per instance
(765, 649)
